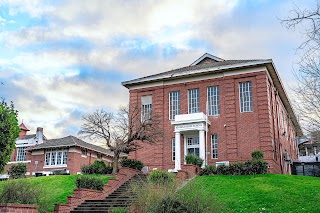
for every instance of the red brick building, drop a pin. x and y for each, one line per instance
(220, 110)
(44, 156)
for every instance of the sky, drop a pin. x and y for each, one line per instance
(62, 59)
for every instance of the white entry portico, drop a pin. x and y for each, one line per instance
(193, 127)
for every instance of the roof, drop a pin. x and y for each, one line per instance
(23, 127)
(216, 66)
(197, 69)
(70, 141)
(27, 137)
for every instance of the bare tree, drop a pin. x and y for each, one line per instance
(307, 20)
(307, 93)
(122, 132)
(307, 90)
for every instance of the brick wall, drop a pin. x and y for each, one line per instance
(18, 208)
(239, 133)
(74, 163)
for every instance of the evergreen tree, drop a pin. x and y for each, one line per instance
(9, 132)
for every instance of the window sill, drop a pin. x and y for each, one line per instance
(13, 162)
(55, 166)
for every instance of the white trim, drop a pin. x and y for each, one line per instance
(207, 55)
(56, 166)
(13, 162)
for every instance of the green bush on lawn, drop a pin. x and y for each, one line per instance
(132, 163)
(18, 170)
(89, 182)
(97, 167)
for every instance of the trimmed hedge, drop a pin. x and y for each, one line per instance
(250, 167)
(18, 170)
(132, 163)
(208, 170)
(89, 182)
(98, 167)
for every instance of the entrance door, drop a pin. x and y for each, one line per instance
(193, 145)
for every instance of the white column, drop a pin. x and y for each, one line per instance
(185, 149)
(177, 161)
(202, 153)
(307, 154)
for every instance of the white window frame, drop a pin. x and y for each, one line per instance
(213, 98)
(174, 104)
(21, 154)
(146, 109)
(193, 101)
(51, 157)
(214, 146)
(245, 96)
(173, 142)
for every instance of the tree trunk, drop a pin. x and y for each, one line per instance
(115, 163)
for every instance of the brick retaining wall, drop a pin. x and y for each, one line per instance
(18, 208)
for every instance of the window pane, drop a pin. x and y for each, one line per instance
(65, 157)
(173, 149)
(21, 154)
(194, 101)
(53, 158)
(174, 105)
(245, 92)
(59, 158)
(47, 160)
(214, 143)
(213, 100)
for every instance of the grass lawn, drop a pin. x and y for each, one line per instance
(258, 193)
(57, 187)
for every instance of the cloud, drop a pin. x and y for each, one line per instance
(63, 58)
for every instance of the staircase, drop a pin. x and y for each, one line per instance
(122, 197)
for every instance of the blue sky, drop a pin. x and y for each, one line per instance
(61, 60)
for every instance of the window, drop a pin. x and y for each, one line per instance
(174, 105)
(213, 101)
(99, 155)
(245, 90)
(214, 143)
(193, 145)
(173, 149)
(21, 154)
(84, 151)
(194, 100)
(55, 157)
(146, 108)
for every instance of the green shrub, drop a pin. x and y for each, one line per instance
(98, 167)
(20, 192)
(237, 168)
(18, 170)
(208, 170)
(119, 210)
(132, 163)
(256, 167)
(89, 182)
(171, 204)
(222, 170)
(160, 178)
(193, 159)
(257, 155)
